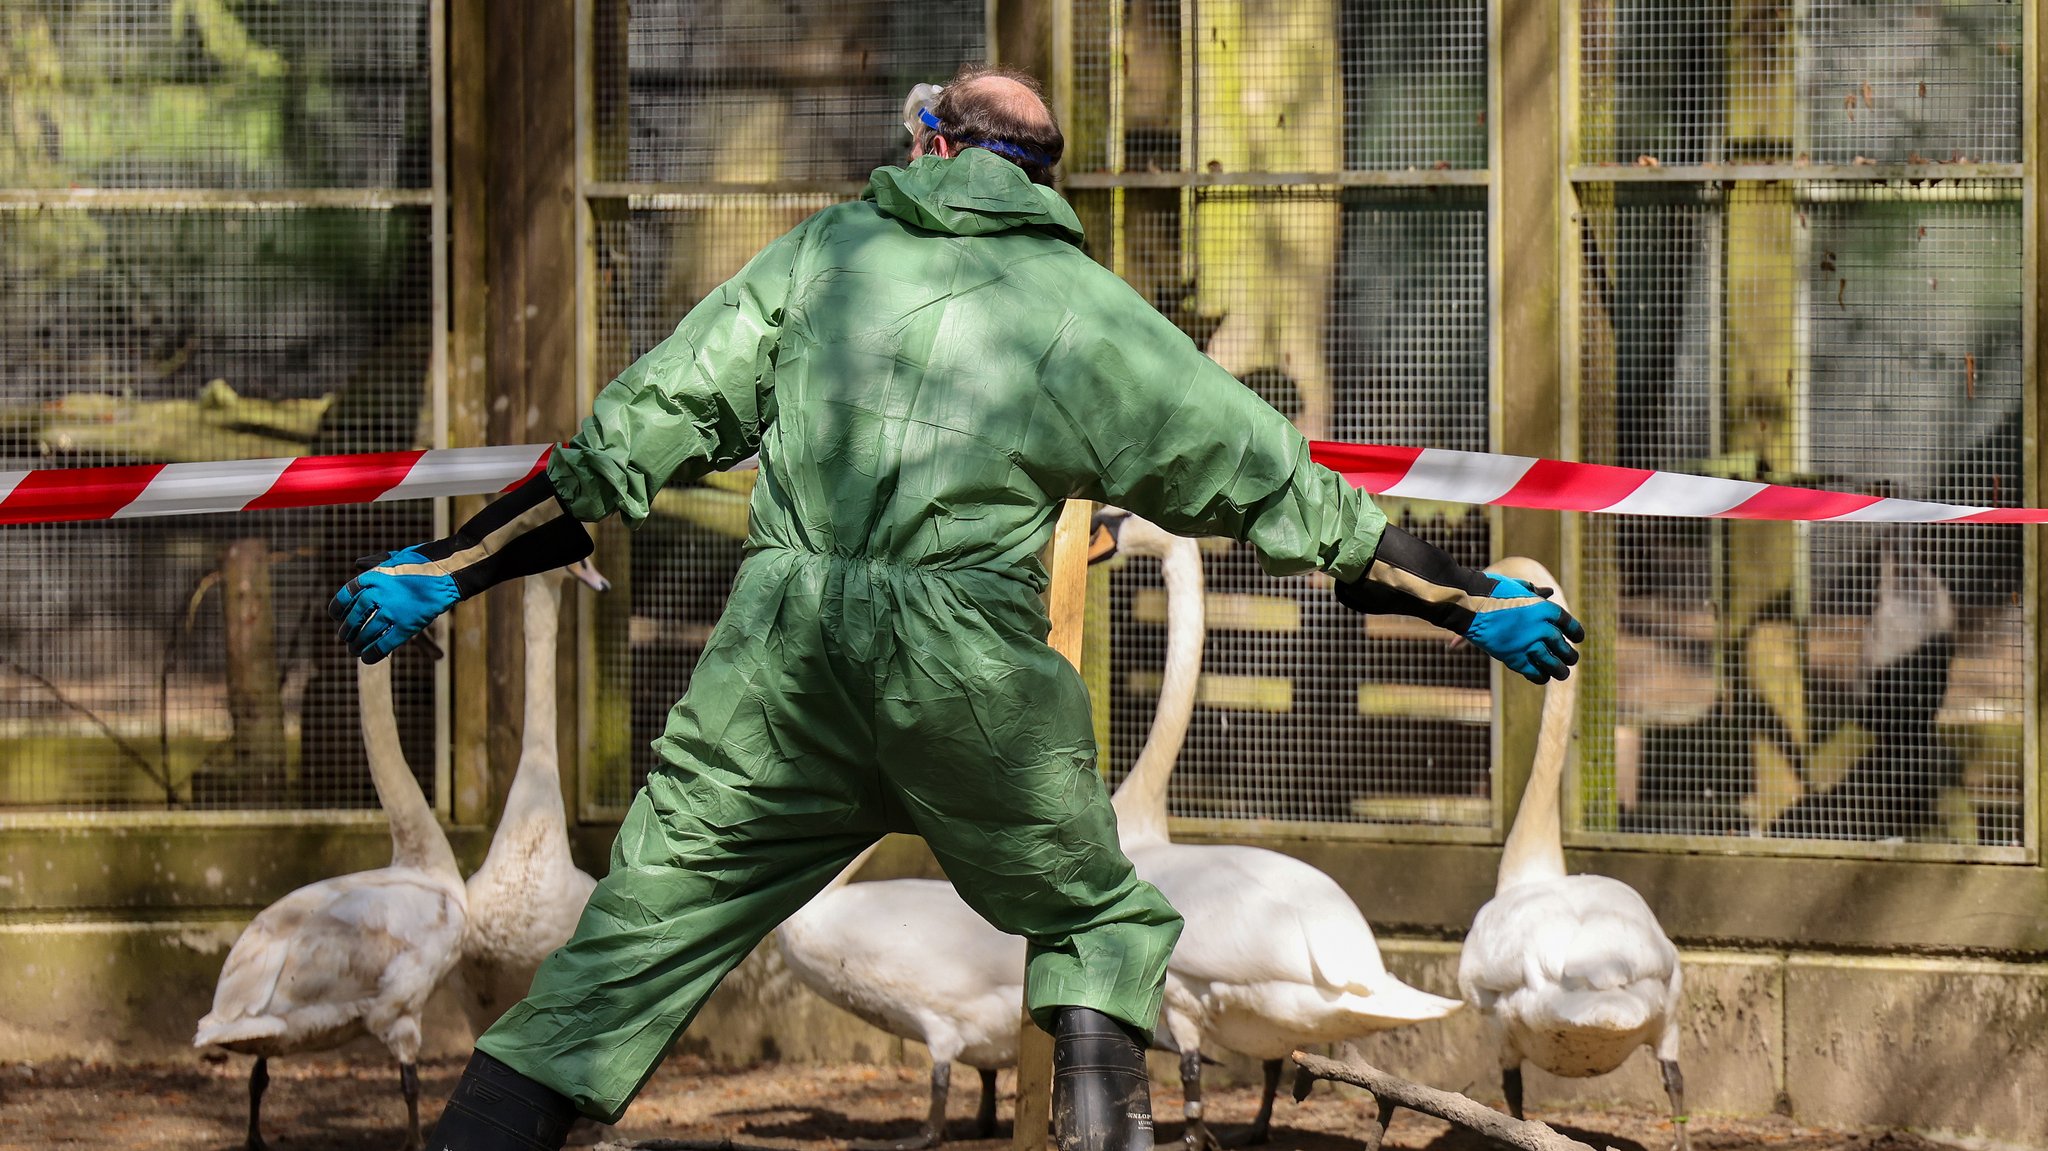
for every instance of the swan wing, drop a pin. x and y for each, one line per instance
(325, 954)
(910, 956)
(1257, 916)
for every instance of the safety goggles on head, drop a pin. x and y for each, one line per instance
(917, 107)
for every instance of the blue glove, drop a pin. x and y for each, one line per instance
(1505, 618)
(394, 599)
(523, 532)
(1519, 626)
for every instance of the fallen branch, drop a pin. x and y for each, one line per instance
(1390, 1093)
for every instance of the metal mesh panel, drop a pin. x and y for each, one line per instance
(1414, 83)
(144, 93)
(163, 336)
(1303, 713)
(1313, 87)
(1896, 81)
(757, 91)
(1844, 682)
(659, 263)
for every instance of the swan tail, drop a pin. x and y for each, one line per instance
(1392, 1003)
(215, 1030)
(1593, 1010)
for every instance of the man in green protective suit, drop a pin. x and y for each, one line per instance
(925, 373)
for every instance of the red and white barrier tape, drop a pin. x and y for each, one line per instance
(50, 495)
(1528, 482)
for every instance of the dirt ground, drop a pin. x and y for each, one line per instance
(330, 1104)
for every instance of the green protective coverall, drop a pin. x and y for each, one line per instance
(926, 373)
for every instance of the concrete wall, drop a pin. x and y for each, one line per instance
(1947, 1047)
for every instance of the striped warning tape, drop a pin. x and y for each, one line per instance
(50, 495)
(1528, 482)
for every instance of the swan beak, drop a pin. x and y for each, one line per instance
(1104, 528)
(592, 578)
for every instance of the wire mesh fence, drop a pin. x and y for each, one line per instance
(1826, 82)
(757, 91)
(1834, 682)
(188, 663)
(150, 94)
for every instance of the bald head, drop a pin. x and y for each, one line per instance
(1010, 97)
(1002, 110)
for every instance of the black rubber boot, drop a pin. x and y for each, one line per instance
(495, 1108)
(1101, 1097)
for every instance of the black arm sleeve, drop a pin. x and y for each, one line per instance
(524, 532)
(1408, 576)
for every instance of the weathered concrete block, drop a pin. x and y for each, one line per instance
(1942, 1046)
(127, 992)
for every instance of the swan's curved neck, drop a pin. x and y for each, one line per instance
(1140, 801)
(535, 798)
(1535, 846)
(416, 836)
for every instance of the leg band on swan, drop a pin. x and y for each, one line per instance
(1101, 1097)
(495, 1108)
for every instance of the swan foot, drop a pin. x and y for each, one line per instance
(259, 1081)
(1200, 1137)
(409, 1083)
(934, 1133)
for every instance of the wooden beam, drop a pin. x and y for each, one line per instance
(1067, 604)
(2034, 114)
(469, 127)
(531, 258)
(1526, 279)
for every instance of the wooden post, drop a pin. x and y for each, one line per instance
(2034, 110)
(468, 385)
(1528, 365)
(1763, 379)
(1068, 607)
(532, 261)
(255, 697)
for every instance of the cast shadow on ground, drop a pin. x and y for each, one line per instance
(1459, 1139)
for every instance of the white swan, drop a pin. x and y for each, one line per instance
(526, 898)
(910, 957)
(356, 954)
(1572, 972)
(1274, 956)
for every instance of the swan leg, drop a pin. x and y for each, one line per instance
(1511, 1086)
(985, 1115)
(409, 1084)
(1197, 1137)
(1674, 1086)
(934, 1132)
(259, 1082)
(1262, 1126)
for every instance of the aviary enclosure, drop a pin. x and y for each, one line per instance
(1791, 242)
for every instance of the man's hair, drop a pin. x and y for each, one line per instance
(1019, 128)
